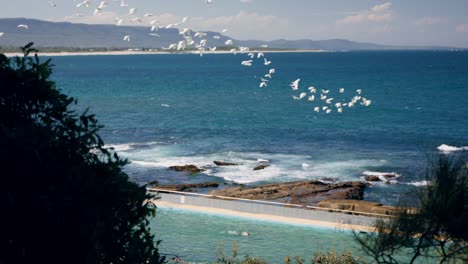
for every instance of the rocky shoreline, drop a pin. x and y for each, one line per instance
(325, 193)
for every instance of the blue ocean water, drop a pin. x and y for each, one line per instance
(164, 110)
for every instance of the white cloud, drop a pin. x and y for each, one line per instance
(428, 21)
(462, 28)
(382, 7)
(378, 13)
(245, 25)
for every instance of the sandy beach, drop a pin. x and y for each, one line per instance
(274, 218)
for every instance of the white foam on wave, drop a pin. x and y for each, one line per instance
(444, 148)
(282, 167)
(418, 183)
(129, 146)
(389, 177)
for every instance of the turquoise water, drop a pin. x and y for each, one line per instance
(164, 110)
(196, 236)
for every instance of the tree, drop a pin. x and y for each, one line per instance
(63, 196)
(437, 230)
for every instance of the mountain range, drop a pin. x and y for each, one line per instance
(72, 35)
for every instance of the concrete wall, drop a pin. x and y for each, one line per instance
(264, 207)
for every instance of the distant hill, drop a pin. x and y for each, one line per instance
(69, 35)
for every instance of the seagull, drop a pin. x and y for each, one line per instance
(233, 51)
(328, 111)
(262, 84)
(340, 110)
(317, 109)
(181, 45)
(136, 19)
(260, 54)
(200, 34)
(208, 1)
(247, 63)
(271, 71)
(184, 31)
(52, 4)
(266, 62)
(154, 28)
(324, 108)
(23, 26)
(203, 42)
(212, 48)
(302, 95)
(325, 91)
(329, 100)
(126, 38)
(185, 19)
(341, 90)
(132, 11)
(338, 105)
(358, 91)
(312, 89)
(295, 84)
(2, 33)
(84, 3)
(268, 75)
(262, 160)
(228, 42)
(323, 97)
(172, 46)
(165, 105)
(305, 165)
(123, 4)
(251, 55)
(264, 46)
(102, 4)
(216, 37)
(119, 21)
(224, 30)
(154, 34)
(366, 102)
(154, 21)
(148, 15)
(311, 98)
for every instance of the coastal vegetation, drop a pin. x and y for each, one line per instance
(64, 197)
(437, 231)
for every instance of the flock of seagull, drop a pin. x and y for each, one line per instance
(199, 41)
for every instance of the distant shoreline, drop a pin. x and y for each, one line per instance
(134, 52)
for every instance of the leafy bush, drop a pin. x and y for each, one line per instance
(64, 197)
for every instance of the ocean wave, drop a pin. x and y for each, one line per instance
(282, 167)
(389, 177)
(444, 148)
(129, 146)
(419, 183)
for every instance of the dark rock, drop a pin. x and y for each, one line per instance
(261, 167)
(188, 168)
(188, 186)
(300, 192)
(372, 178)
(327, 179)
(222, 163)
(152, 183)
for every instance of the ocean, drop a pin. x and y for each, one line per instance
(165, 110)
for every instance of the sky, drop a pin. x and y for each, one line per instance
(393, 22)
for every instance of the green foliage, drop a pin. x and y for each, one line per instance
(332, 257)
(64, 197)
(223, 259)
(437, 230)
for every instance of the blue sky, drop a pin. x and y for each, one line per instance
(397, 22)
